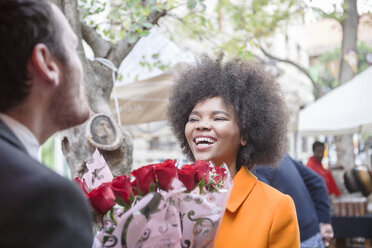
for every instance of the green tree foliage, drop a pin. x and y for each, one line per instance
(120, 18)
(323, 76)
(47, 153)
(253, 21)
(233, 26)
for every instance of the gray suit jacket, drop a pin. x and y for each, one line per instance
(38, 208)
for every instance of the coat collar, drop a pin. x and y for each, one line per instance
(7, 135)
(244, 182)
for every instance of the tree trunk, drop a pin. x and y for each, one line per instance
(349, 39)
(344, 143)
(98, 85)
(345, 158)
(75, 145)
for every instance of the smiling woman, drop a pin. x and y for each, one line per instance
(212, 133)
(234, 113)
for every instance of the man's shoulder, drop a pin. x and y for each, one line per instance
(16, 162)
(264, 173)
(11, 155)
(19, 170)
(36, 196)
(271, 194)
(26, 180)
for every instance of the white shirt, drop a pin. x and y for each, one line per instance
(24, 134)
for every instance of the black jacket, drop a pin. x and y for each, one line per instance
(307, 190)
(38, 208)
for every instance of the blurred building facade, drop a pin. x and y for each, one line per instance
(325, 35)
(301, 43)
(154, 141)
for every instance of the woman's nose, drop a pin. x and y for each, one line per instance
(203, 125)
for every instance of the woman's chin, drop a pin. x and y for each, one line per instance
(203, 158)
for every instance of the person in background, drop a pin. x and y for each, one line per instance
(315, 163)
(40, 93)
(234, 113)
(310, 196)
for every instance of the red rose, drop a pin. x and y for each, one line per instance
(187, 176)
(102, 198)
(144, 177)
(82, 185)
(121, 187)
(202, 170)
(165, 172)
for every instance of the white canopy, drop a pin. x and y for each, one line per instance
(146, 100)
(143, 91)
(345, 110)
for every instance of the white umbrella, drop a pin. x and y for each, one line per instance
(345, 110)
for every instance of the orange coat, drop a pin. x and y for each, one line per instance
(257, 216)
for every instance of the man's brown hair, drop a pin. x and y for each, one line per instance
(23, 24)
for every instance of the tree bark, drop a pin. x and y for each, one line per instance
(344, 143)
(75, 145)
(299, 67)
(98, 85)
(349, 39)
(100, 46)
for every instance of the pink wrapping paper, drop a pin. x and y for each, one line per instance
(167, 219)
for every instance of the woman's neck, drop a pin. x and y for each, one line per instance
(232, 170)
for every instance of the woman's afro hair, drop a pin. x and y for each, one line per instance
(254, 95)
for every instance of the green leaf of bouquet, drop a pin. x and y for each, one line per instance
(131, 198)
(201, 185)
(152, 187)
(120, 201)
(140, 193)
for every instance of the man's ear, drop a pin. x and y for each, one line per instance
(45, 63)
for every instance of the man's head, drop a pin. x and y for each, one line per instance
(318, 150)
(39, 62)
(23, 24)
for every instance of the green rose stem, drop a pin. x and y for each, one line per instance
(112, 216)
(98, 223)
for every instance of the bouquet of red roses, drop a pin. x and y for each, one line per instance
(159, 205)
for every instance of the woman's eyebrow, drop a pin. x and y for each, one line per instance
(220, 112)
(194, 113)
(216, 112)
